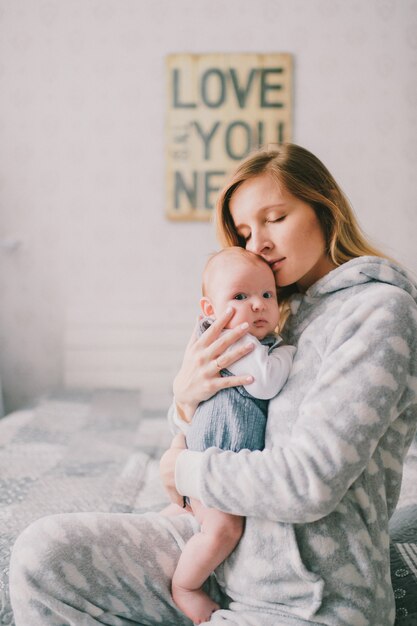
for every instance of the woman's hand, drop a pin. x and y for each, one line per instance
(167, 468)
(199, 377)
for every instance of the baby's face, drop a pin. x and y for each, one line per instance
(250, 290)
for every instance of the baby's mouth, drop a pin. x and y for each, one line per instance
(260, 322)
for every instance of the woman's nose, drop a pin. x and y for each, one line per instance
(258, 243)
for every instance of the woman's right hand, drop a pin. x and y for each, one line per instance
(199, 377)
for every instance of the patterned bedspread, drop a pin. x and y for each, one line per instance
(85, 453)
(98, 453)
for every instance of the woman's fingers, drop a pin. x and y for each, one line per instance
(234, 354)
(216, 327)
(226, 340)
(224, 382)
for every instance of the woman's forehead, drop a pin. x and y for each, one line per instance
(255, 196)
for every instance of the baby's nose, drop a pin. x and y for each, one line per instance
(257, 303)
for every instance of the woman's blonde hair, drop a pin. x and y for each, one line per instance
(305, 176)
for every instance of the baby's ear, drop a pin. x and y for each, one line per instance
(206, 307)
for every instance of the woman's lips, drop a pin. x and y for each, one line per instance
(277, 264)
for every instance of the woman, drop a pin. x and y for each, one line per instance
(318, 498)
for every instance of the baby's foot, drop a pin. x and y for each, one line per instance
(196, 604)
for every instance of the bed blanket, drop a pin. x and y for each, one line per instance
(83, 453)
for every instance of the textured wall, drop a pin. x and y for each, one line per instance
(99, 271)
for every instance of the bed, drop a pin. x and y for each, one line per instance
(99, 452)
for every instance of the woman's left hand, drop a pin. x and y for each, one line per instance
(167, 468)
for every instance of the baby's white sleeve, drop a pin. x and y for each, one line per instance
(176, 424)
(270, 371)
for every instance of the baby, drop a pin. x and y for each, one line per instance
(234, 418)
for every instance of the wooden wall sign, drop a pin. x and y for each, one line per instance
(220, 108)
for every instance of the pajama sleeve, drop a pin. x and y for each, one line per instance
(366, 379)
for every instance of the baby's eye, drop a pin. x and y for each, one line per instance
(268, 294)
(240, 296)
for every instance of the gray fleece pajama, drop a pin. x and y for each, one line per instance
(317, 499)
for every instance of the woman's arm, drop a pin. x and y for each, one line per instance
(199, 377)
(366, 379)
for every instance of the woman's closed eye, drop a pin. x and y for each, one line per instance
(278, 219)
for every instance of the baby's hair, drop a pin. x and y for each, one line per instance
(233, 252)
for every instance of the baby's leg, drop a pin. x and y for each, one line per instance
(220, 533)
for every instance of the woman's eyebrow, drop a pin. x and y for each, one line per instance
(268, 207)
(273, 206)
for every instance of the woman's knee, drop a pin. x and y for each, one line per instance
(35, 563)
(38, 547)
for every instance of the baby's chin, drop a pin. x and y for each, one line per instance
(261, 333)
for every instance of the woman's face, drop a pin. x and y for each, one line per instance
(282, 229)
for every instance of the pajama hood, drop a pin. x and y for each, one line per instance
(364, 270)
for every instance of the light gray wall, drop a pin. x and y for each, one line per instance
(99, 270)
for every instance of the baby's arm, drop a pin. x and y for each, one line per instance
(270, 371)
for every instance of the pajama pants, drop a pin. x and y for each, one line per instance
(85, 569)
